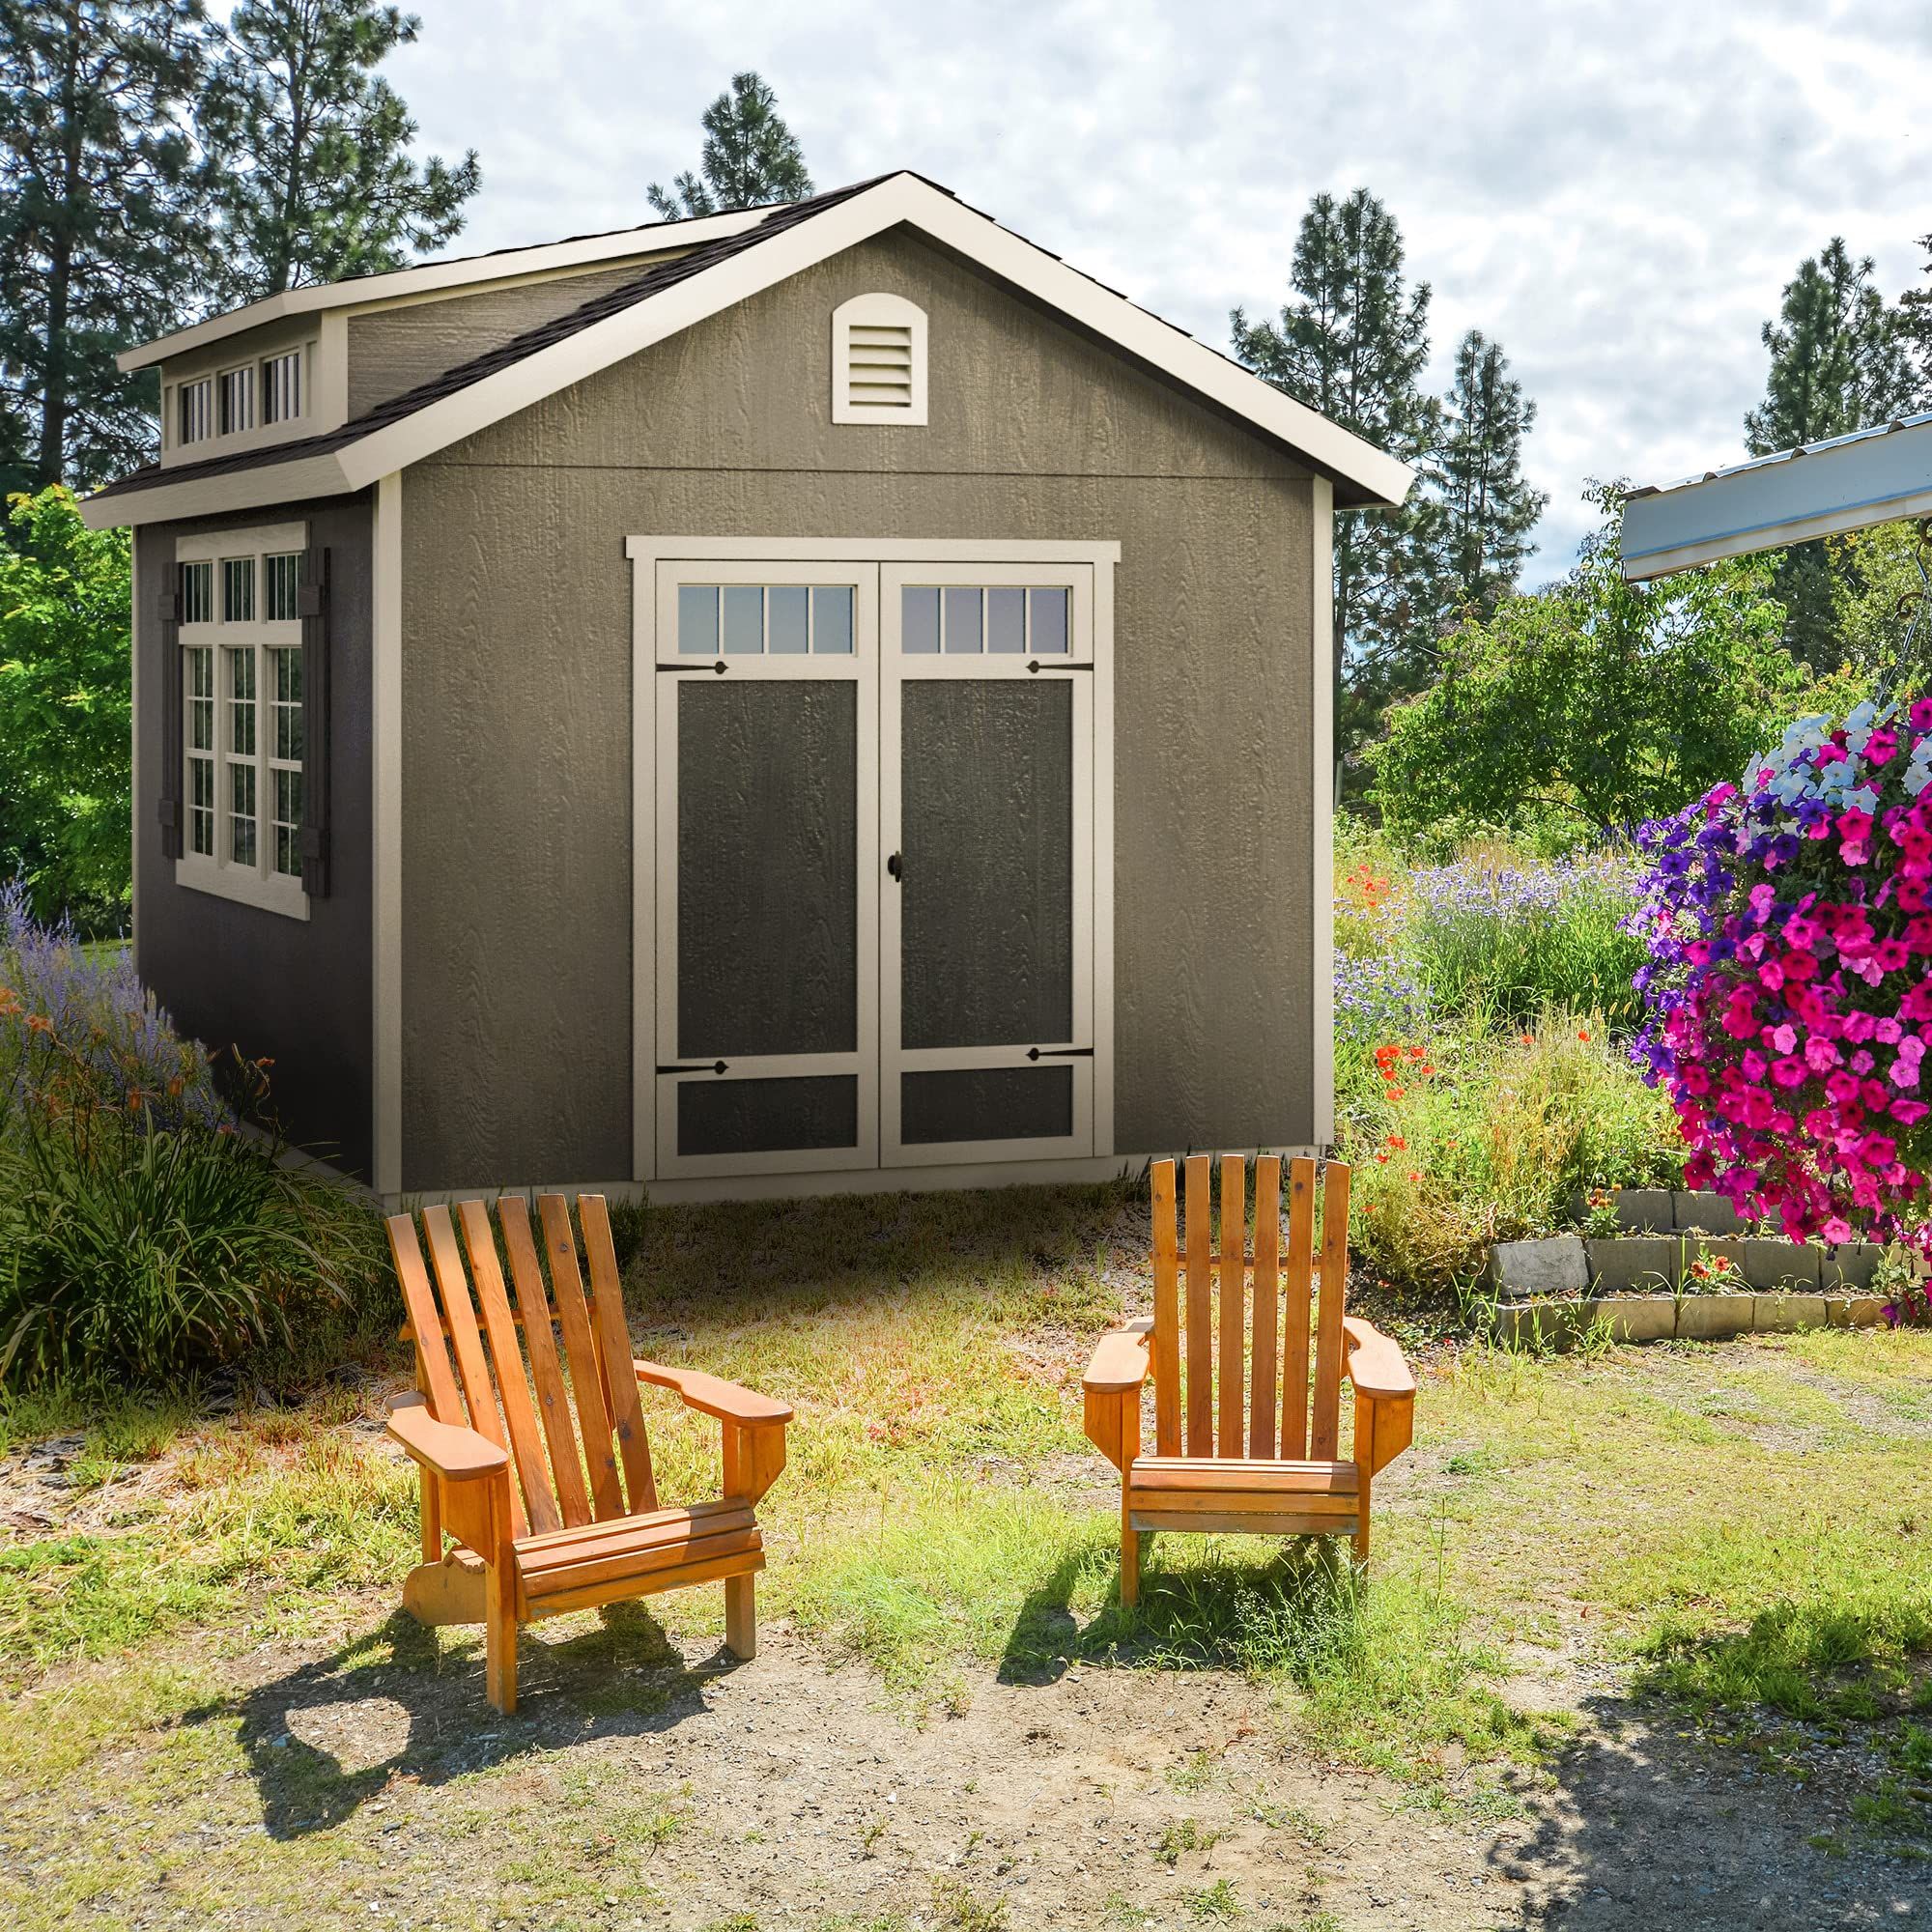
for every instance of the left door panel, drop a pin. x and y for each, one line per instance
(767, 902)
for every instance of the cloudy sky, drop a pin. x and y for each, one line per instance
(1616, 192)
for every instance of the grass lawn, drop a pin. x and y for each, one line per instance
(1679, 1584)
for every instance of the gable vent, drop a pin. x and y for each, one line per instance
(878, 361)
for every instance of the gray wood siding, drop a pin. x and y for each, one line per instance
(517, 697)
(233, 974)
(395, 349)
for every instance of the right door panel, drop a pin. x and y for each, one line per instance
(986, 839)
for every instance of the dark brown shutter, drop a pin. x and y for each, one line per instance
(312, 607)
(167, 608)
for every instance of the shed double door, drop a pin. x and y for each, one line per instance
(875, 866)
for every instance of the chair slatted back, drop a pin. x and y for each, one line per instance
(526, 1406)
(1243, 1333)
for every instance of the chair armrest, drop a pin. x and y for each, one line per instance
(1121, 1360)
(1376, 1365)
(711, 1396)
(456, 1455)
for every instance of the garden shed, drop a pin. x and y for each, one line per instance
(816, 697)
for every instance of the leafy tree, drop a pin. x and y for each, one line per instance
(1489, 507)
(1839, 360)
(96, 230)
(308, 149)
(65, 710)
(749, 157)
(1353, 345)
(1595, 701)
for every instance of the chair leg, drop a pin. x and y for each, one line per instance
(740, 1617)
(1130, 1556)
(500, 1638)
(1362, 1524)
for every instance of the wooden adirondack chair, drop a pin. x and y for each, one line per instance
(1223, 1473)
(547, 1543)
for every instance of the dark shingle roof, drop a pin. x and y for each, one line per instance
(560, 329)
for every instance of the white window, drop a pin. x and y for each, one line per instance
(878, 361)
(281, 387)
(236, 400)
(241, 716)
(194, 410)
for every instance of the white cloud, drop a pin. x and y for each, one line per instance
(1616, 189)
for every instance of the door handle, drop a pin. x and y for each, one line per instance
(895, 866)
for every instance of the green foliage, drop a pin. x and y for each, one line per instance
(1489, 506)
(64, 711)
(1870, 572)
(97, 222)
(751, 157)
(307, 149)
(1597, 700)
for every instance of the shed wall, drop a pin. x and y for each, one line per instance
(297, 991)
(392, 350)
(516, 685)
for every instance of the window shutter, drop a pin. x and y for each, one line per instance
(167, 608)
(312, 607)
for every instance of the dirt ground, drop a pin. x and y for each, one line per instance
(789, 1794)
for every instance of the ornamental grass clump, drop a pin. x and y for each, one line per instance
(1789, 986)
(142, 1233)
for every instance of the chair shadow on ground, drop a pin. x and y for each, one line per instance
(1233, 1604)
(404, 1701)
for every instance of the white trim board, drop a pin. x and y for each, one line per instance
(386, 1127)
(901, 200)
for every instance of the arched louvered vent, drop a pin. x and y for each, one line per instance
(878, 361)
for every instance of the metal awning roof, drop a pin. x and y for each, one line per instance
(1821, 488)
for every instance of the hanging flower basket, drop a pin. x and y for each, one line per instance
(1789, 990)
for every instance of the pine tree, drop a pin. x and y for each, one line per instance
(96, 229)
(1839, 361)
(1489, 508)
(1838, 357)
(751, 157)
(308, 149)
(1353, 347)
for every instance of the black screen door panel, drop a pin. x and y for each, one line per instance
(986, 854)
(767, 868)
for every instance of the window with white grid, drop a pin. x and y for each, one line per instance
(235, 400)
(194, 410)
(241, 716)
(281, 387)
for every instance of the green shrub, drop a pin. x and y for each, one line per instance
(138, 1254)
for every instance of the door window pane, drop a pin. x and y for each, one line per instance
(819, 1109)
(697, 619)
(918, 620)
(986, 830)
(1049, 621)
(767, 867)
(962, 622)
(832, 620)
(986, 1104)
(744, 619)
(790, 611)
(1006, 621)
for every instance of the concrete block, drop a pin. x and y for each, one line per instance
(1555, 1266)
(1779, 1265)
(1787, 1314)
(1855, 1310)
(1646, 1208)
(1714, 1317)
(1640, 1262)
(1850, 1266)
(1705, 1214)
(1639, 1317)
(1544, 1324)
